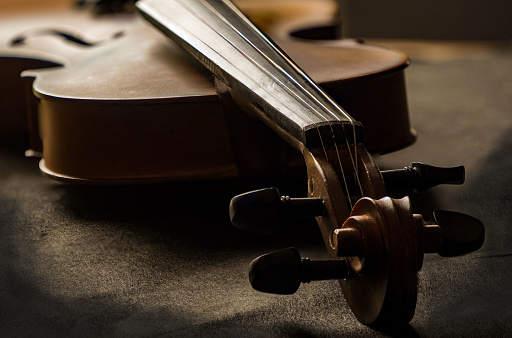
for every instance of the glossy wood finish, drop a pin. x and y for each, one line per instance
(115, 81)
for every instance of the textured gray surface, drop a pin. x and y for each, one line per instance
(163, 260)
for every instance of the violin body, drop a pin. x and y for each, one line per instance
(135, 108)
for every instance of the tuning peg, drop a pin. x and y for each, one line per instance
(265, 210)
(360, 237)
(420, 177)
(461, 233)
(281, 272)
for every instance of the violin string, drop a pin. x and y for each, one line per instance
(353, 156)
(349, 198)
(262, 68)
(345, 181)
(312, 83)
(310, 95)
(355, 165)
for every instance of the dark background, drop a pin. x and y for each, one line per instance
(436, 19)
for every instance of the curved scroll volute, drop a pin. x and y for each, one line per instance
(382, 282)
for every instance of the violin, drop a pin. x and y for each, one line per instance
(104, 112)
(122, 104)
(376, 242)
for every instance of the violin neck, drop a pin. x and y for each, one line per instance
(256, 71)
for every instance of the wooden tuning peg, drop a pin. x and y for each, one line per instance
(282, 272)
(265, 210)
(420, 177)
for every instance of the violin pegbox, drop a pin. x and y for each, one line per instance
(377, 245)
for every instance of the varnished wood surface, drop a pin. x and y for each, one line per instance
(114, 80)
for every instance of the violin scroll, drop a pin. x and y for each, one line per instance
(376, 244)
(380, 249)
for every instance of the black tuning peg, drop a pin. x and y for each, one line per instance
(420, 177)
(281, 272)
(265, 210)
(461, 233)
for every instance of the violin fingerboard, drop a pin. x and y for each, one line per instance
(218, 35)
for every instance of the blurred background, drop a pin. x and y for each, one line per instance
(402, 19)
(434, 19)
